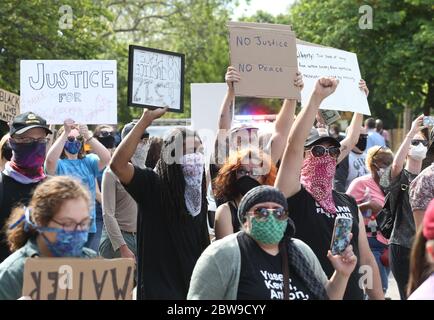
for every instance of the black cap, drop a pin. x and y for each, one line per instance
(128, 127)
(26, 121)
(319, 135)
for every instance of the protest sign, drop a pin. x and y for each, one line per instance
(155, 79)
(266, 57)
(83, 90)
(315, 62)
(9, 105)
(78, 279)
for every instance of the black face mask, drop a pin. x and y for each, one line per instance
(245, 184)
(361, 144)
(108, 142)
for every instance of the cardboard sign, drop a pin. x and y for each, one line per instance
(9, 105)
(83, 90)
(155, 79)
(266, 57)
(315, 62)
(78, 279)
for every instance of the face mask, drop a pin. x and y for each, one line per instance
(139, 157)
(67, 244)
(245, 184)
(108, 142)
(28, 155)
(361, 144)
(73, 147)
(380, 172)
(418, 152)
(270, 231)
(317, 176)
(192, 168)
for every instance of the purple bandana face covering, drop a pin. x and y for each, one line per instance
(28, 155)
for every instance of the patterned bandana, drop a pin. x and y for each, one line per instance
(317, 177)
(27, 161)
(192, 168)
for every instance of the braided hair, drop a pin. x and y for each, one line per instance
(171, 176)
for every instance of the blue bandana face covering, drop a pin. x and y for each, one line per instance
(67, 244)
(73, 147)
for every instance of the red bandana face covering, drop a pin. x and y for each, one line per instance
(317, 177)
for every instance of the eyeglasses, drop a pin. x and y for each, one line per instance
(78, 138)
(320, 151)
(244, 172)
(73, 226)
(415, 142)
(29, 140)
(261, 214)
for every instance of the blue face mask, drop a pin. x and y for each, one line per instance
(73, 147)
(67, 244)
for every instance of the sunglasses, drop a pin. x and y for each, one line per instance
(78, 138)
(104, 134)
(320, 151)
(261, 214)
(416, 142)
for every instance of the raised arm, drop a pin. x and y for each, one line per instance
(353, 134)
(97, 147)
(404, 148)
(284, 122)
(120, 164)
(288, 177)
(56, 149)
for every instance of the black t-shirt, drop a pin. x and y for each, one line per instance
(14, 194)
(236, 225)
(168, 250)
(314, 226)
(261, 276)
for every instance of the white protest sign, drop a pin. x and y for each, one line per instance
(155, 79)
(315, 62)
(206, 99)
(83, 90)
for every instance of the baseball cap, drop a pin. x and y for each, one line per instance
(128, 127)
(26, 121)
(319, 135)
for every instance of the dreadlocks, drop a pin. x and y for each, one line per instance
(171, 177)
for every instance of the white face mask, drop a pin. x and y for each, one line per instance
(139, 157)
(192, 167)
(380, 172)
(418, 152)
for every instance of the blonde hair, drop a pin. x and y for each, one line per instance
(46, 201)
(378, 153)
(3, 140)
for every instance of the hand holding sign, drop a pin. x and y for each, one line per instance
(364, 87)
(68, 125)
(84, 131)
(298, 81)
(232, 75)
(154, 114)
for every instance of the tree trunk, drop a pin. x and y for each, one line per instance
(429, 101)
(407, 119)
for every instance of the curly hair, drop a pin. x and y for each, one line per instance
(224, 183)
(46, 201)
(171, 176)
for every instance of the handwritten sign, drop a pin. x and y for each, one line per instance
(156, 79)
(83, 90)
(78, 279)
(266, 57)
(9, 105)
(315, 62)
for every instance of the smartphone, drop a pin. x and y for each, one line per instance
(428, 121)
(341, 235)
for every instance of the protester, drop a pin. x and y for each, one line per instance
(421, 283)
(139, 157)
(28, 139)
(306, 178)
(105, 134)
(55, 224)
(421, 193)
(430, 153)
(5, 151)
(242, 265)
(232, 139)
(384, 133)
(369, 195)
(352, 166)
(334, 132)
(244, 170)
(396, 180)
(67, 157)
(172, 224)
(374, 138)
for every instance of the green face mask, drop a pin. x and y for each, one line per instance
(268, 232)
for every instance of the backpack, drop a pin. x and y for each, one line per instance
(387, 215)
